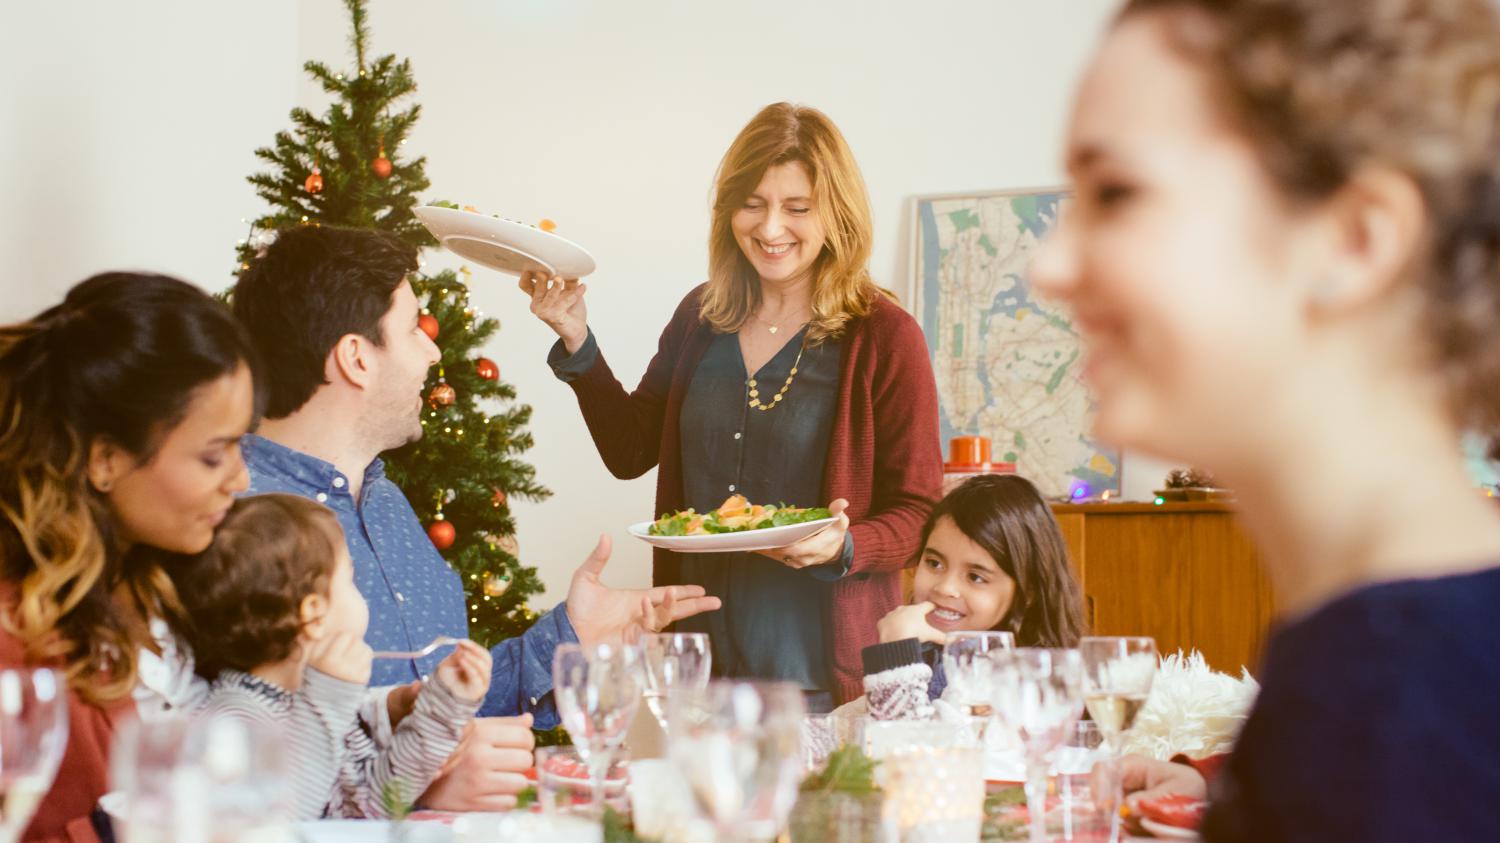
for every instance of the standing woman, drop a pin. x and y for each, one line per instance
(788, 377)
(121, 411)
(1285, 257)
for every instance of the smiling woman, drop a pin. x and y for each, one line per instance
(120, 416)
(789, 377)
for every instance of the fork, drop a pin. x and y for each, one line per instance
(440, 641)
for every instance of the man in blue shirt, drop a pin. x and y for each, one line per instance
(344, 363)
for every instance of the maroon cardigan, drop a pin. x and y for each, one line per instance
(884, 456)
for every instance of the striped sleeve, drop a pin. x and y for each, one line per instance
(312, 725)
(403, 769)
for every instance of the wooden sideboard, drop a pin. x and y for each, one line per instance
(1183, 573)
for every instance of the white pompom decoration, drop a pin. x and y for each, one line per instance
(1193, 710)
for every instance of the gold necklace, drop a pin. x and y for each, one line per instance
(780, 393)
(773, 326)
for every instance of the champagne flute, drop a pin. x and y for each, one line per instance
(1038, 695)
(33, 735)
(738, 745)
(597, 689)
(1118, 676)
(673, 660)
(966, 666)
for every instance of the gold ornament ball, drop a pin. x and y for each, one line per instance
(495, 585)
(442, 395)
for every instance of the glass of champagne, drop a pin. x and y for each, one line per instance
(1038, 696)
(1118, 676)
(967, 668)
(33, 735)
(597, 689)
(673, 661)
(738, 745)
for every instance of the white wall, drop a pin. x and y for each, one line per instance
(137, 122)
(128, 131)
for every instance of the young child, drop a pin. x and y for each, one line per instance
(277, 626)
(992, 559)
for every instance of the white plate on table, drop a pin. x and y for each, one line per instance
(1169, 832)
(505, 245)
(765, 539)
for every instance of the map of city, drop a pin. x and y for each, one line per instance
(1007, 365)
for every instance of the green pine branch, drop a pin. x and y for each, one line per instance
(474, 447)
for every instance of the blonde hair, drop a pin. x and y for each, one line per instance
(783, 133)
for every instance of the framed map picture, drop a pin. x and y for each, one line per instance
(1007, 365)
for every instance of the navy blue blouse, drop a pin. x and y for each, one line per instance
(1376, 721)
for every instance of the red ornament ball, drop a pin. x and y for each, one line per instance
(498, 499)
(429, 325)
(442, 534)
(382, 166)
(487, 368)
(314, 182)
(442, 395)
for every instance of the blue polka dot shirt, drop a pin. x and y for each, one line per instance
(414, 595)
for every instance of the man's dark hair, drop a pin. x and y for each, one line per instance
(314, 285)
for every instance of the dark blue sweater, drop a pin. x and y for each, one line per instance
(1378, 719)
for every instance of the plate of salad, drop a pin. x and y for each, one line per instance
(737, 525)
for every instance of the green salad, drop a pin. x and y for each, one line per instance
(737, 515)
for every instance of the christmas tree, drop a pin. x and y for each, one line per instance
(344, 168)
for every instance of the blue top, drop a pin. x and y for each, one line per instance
(414, 596)
(1376, 721)
(776, 621)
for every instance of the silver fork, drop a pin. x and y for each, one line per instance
(440, 641)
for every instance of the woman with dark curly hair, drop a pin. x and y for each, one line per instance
(121, 412)
(1285, 258)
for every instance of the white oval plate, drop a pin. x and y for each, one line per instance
(765, 539)
(508, 246)
(1168, 832)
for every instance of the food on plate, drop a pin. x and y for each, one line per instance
(737, 515)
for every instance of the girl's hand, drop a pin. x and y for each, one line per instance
(820, 548)
(342, 655)
(466, 671)
(905, 622)
(559, 303)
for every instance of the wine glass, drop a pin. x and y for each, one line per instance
(1117, 681)
(597, 689)
(1038, 695)
(738, 745)
(213, 776)
(33, 735)
(967, 668)
(673, 660)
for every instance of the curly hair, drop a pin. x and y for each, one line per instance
(842, 290)
(1324, 88)
(119, 360)
(243, 595)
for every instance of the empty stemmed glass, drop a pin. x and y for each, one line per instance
(738, 746)
(597, 689)
(673, 661)
(1038, 695)
(33, 735)
(1117, 681)
(967, 669)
